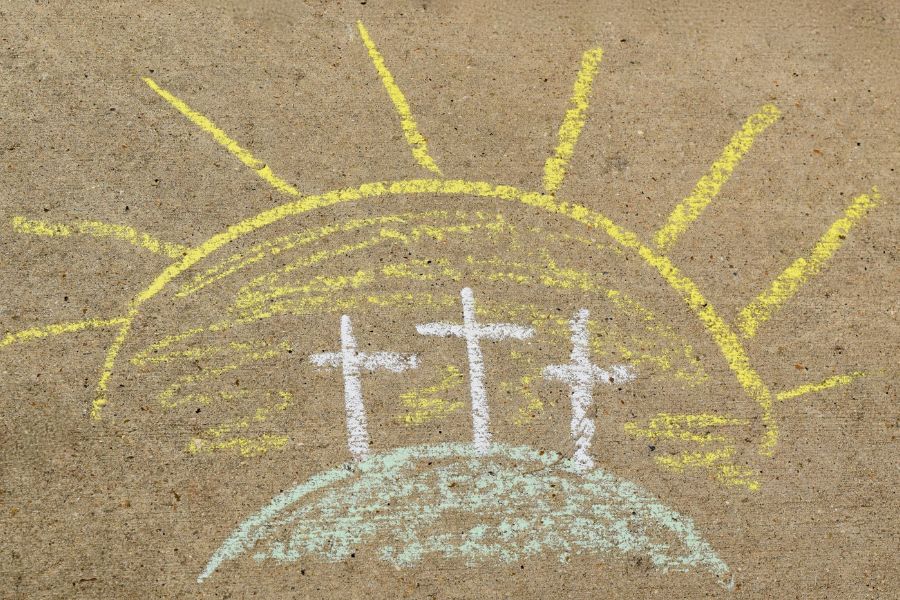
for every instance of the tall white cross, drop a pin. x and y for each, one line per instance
(473, 332)
(351, 363)
(581, 376)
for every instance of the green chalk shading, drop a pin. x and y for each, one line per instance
(513, 502)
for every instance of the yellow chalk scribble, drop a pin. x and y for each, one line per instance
(36, 333)
(792, 278)
(270, 294)
(174, 394)
(697, 429)
(100, 400)
(258, 298)
(242, 154)
(195, 353)
(684, 427)
(414, 138)
(224, 437)
(428, 403)
(246, 446)
(690, 209)
(533, 403)
(809, 388)
(718, 462)
(573, 122)
(99, 230)
(282, 245)
(420, 270)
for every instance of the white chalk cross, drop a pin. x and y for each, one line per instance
(352, 363)
(473, 332)
(581, 376)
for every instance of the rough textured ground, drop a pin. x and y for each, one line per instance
(134, 504)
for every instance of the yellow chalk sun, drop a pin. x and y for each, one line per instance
(276, 294)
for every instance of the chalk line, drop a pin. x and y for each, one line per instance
(242, 154)
(786, 285)
(99, 229)
(827, 384)
(417, 143)
(573, 122)
(43, 331)
(690, 209)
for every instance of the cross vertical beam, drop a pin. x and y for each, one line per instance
(351, 363)
(581, 376)
(473, 332)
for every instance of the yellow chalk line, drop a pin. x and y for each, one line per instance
(100, 230)
(425, 404)
(683, 427)
(109, 362)
(34, 333)
(281, 245)
(171, 397)
(417, 143)
(246, 446)
(728, 342)
(708, 187)
(573, 122)
(826, 384)
(253, 304)
(236, 262)
(328, 303)
(216, 439)
(717, 461)
(792, 278)
(242, 154)
(195, 353)
(248, 296)
(693, 428)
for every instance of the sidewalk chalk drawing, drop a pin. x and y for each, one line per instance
(223, 315)
(532, 504)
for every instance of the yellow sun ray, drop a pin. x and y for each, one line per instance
(45, 331)
(783, 288)
(417, 143)
(242, 154)
(827, 384)
(100, 230)
(690, 209)
(573, 122)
